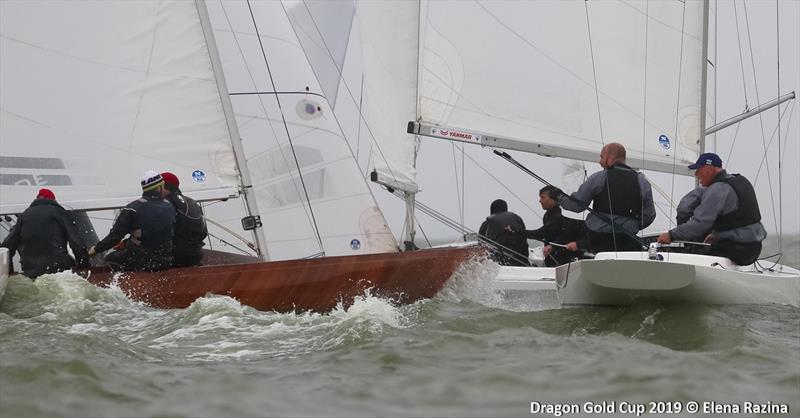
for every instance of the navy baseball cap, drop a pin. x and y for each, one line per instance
(708, 158)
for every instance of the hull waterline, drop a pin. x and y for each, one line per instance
(295, 285)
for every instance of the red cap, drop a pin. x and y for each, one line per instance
(170, 179)
(46, 194)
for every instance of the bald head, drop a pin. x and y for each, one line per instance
(611, 154)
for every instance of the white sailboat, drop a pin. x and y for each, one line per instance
(557, 79)
(594, 72)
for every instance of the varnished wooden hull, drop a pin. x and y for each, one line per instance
(296, 285)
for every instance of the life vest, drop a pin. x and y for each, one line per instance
(190, 227)
(746, 212)
(156, 219)
(621, 195)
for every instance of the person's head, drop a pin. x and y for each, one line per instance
(611, 154)
(171, 183)
(152, 182)
(547, 197)
(498, 206)
(707, 167)
(46, 194)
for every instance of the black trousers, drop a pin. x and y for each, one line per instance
(741, 253)
(560, 256)
(137, 258)
(185, 257)
(600, 242)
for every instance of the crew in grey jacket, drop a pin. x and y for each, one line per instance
(620, 194)
(728, 208)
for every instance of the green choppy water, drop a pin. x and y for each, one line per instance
(68, 348)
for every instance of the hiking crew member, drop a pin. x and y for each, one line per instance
(506, 229)
(728, 208)
(41, 235)
(190, 227)
(556, 228)
(149, 221)
(621, 196)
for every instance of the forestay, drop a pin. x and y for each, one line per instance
(569, 75)
(92, 94)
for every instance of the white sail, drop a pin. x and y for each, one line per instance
(569, 75)
(92, 94)
(325, 205)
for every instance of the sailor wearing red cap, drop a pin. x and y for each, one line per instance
(190, 225)
(41, 235)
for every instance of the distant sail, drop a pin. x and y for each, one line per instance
(86, 115)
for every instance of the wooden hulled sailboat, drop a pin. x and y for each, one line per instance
(95, 93)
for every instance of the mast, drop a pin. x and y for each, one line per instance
(704, 78)
(233, 129)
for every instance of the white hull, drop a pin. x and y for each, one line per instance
(619, 278)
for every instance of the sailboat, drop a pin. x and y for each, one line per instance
(93, 94)
(583, 74)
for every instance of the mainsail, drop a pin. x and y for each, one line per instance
(570, 76)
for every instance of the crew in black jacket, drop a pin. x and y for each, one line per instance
(506, 229)
(190, 227)
(149, 221)
(557, 229)
(41, 235)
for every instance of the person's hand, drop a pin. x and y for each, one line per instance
(547, 249)
(709, 239)
(572, 246)
(92, 252)
(664, 238)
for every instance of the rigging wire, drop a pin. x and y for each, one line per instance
(259, 94)
(677, 112)
(339, 71)
(741, 56)
(463, 230)
(600, 123)
(644, 101)
(285, 126)
(760, 115)
(780, 166)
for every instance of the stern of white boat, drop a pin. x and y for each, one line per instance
(621, 277)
